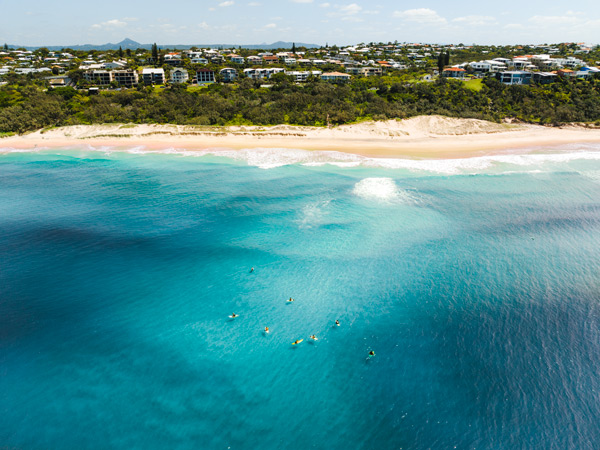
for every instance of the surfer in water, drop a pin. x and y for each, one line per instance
(297, 341)
(266, 329)
(337, 322)
(314, 337)
(290, 300)
(233, 315)
(371, 353)
(251, 269)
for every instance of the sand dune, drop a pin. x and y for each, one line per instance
(423, 136)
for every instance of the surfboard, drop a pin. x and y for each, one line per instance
(299, 340)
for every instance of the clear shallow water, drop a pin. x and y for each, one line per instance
(476, 282)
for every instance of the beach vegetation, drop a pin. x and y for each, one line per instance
(27, 104)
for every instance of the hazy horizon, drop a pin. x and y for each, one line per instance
(234, 22)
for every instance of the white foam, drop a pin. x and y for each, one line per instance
(524, 160)
(593, 175)
(382, 190)
(6, 150)
(313, 214)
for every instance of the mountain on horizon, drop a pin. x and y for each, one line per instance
(133, 45)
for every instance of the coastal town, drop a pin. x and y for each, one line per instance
(301, 85)
(116, 69)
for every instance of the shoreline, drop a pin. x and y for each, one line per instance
(423, 137)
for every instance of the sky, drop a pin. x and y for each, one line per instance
(36, 22)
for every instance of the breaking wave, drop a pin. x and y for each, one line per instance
(526, 160)
(382, 190)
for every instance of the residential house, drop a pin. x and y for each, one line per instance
(204, 76)
(173, 59)
(199, 60)
(371, 71)
(543, 77)
(237, 59)
(127, 78)
(521, 64)
(114, 65)
(217, 59)
(152, 75)
(584, 75)
(100, 77)
(514, 77)
(491, 65)
(336, 77)
(571, 62)
(480, 66)
(193, 55)
(259, 73)
(179, 75)
(566, 73)
(228, 74)
(270, 59)
(454, 72)
(58, 81)
(254, 60)
(303, 75)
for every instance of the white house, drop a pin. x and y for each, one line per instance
(114, 65)
(179, 75)
(303, 74)
(228, 74)
(259, 74)
(254, 59)
(151, 75)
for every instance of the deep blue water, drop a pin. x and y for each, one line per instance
(477, 284)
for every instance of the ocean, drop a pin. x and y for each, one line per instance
(476, 283)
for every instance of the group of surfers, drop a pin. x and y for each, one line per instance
(297, 341)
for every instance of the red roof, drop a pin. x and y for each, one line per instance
(454, 69)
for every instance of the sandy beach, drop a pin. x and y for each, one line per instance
(432, 137)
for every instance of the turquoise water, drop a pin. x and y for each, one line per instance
(475, 282)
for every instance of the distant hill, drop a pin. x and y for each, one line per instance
(128, 43)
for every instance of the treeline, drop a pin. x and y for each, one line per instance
(26, 105)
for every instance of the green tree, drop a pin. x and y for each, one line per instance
(120, 52)
(447, 58)
(154, 53)
(43, 51)
(293, 47)
(440, 62)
